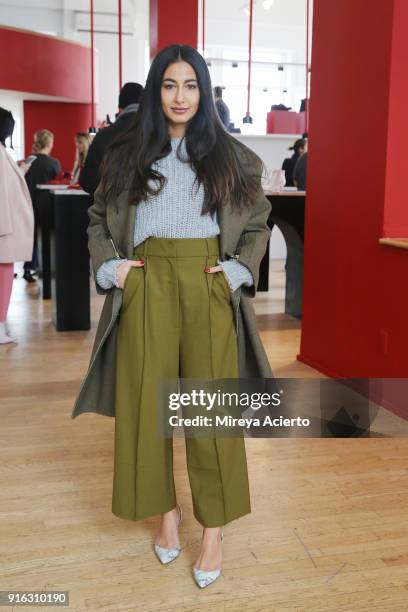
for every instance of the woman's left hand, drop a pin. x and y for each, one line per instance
(218, 269)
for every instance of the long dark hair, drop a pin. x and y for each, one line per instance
(211, 150)
(299, 144)
(6, 125)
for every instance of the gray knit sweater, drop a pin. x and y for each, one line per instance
(175, 213)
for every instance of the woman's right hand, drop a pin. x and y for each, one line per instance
(123, 270)
(23, 166)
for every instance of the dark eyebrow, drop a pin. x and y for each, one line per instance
(186, 81)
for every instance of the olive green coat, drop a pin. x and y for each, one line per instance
(110, 234)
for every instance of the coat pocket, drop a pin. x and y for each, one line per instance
(225, 284)
(133, 280)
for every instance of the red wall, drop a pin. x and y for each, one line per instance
(355, 298)
(63, 119)
(44, 65)
(171, 23)
(49, 66)
(396, 209)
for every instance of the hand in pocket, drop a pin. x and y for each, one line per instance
(219, 269)
(124, 269)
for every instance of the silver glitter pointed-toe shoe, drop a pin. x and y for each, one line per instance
(166, 555)
(204, 578)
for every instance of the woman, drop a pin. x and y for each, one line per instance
(43, 169)
(178, 196)
(299, 148)
(82, 143)
(16, 221)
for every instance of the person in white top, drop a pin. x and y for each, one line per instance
(16, 221)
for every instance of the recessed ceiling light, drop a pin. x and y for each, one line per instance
(266, 4)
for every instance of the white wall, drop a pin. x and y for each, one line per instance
(42, 16)
(272, 149)
(135, 51)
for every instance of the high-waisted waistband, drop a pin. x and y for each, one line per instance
(178, 247)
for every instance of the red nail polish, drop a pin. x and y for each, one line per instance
(206, 269)
(142, 261)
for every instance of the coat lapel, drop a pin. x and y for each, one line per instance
(120, 219)
(223, 230)
(231, 224)
(130, 231)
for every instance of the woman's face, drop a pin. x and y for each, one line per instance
(180, 95)
(79, 146)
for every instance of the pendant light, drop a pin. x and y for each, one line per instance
(120, 41)
(92, 129)
(307, 69)
(203, 25)
(248, 118)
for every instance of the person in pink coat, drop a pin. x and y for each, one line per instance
(16, 221)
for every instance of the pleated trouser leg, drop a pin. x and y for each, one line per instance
(176, 320)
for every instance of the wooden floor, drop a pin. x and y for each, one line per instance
(328, 530)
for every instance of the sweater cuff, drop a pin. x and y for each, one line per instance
(236, 274)
(106, 273)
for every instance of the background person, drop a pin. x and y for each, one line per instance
(43, 169)
(222, 108)
(16, 221)
(299, 173)
(82, 144)
(299, 148)
(129, 100)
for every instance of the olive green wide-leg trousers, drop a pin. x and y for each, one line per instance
(176, 321)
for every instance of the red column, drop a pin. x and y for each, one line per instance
(395, 209)
(354, 295)
(174, 22)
